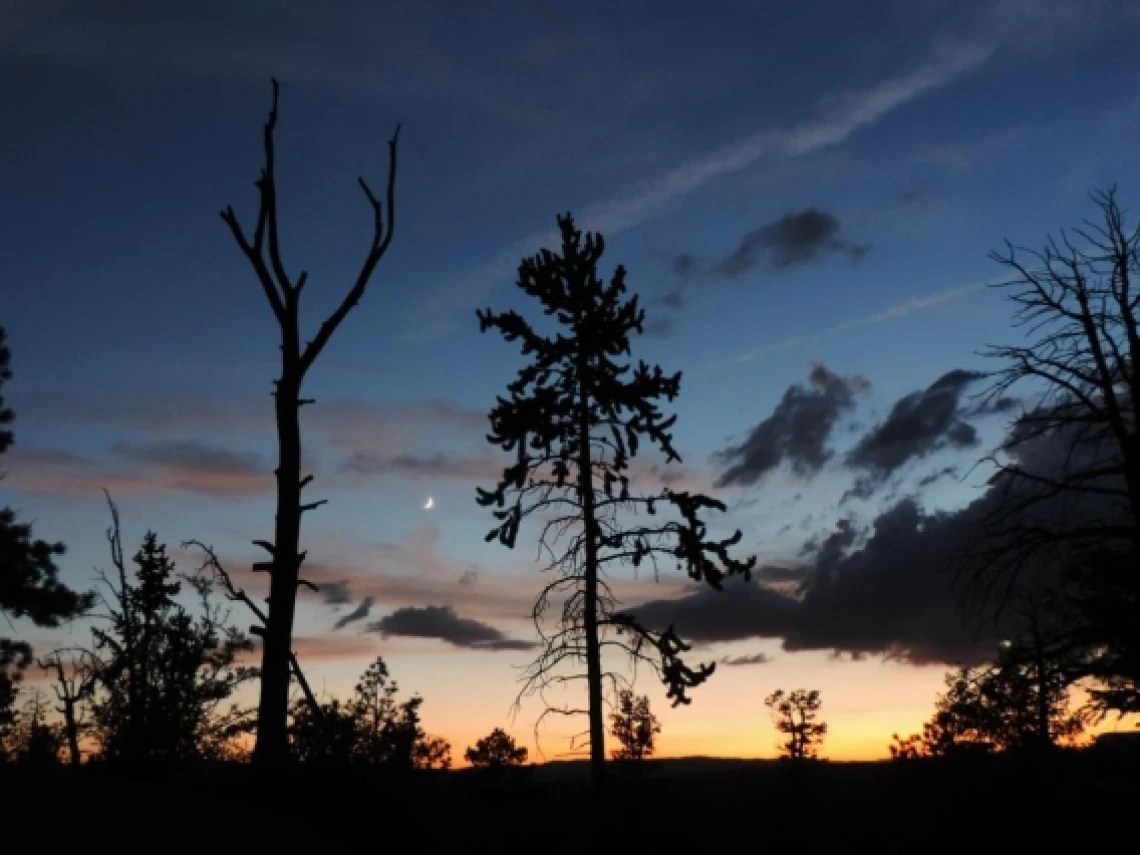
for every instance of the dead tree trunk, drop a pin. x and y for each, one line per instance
(72, 685)
(284, 296)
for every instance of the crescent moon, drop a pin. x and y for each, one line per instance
(429, 504)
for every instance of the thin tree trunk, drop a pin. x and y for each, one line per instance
(72, 728)
(1044, 736)
(593, 643)
(273, 710)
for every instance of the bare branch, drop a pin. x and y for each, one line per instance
(381, 238)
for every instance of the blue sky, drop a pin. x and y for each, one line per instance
(926, 131)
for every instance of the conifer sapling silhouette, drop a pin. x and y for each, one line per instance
(283, 292)
(163, 671)
(372, 728)
(796, 715)
(496, 750)
(576, 415)
(30, 738)
(634, 726)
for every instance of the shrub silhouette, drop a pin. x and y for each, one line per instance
(497, 750)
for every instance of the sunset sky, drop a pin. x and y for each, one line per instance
(804, 196)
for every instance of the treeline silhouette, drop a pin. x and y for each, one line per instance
(152, 697)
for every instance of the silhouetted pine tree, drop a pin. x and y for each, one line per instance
(634, 726)
(372, 728)
(164, 673)
(573, 419)
(29, 579)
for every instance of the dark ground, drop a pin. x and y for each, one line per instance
(1074, 802)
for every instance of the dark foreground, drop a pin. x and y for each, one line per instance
(985, 805)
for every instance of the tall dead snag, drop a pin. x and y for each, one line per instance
(74, 683)
(572, 420)
(263, 251)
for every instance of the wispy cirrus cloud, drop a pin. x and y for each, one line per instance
(141, 469)
(838, 116)
(893, 312)
(155, 442)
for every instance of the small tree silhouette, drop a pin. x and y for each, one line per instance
(29, 738)
(796, 716)
(164, 672)
(372, 728)
(1006, 706)
(497, 750)
(634, 726)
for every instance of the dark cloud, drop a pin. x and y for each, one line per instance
(895, 589)
(191, 454)
(936, 476)
(359, 613)
(336, 593)
(915, 193)
(754, 659)
(794, 239)
(918, 425)
(893, 596)
(683, 264)
(1002, 405)
(660, 327)
(443, 623)
(432, 465)
(829, 551)
(797, 431)
(189, 464)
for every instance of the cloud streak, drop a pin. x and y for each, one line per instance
(893, 312)
(358, 614)
(839, 115)
(441, 622)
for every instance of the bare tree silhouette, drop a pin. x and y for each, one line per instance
(73, 686)
(574, 418)
(284, 296)
(1068, 473)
